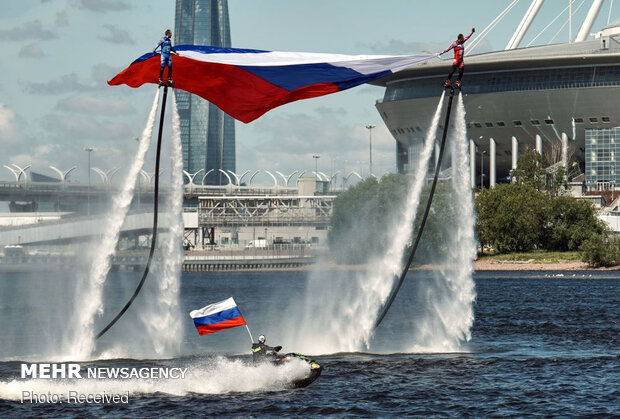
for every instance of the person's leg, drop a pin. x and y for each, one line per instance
(170, 69)
(461, 70)
(161, 71)
(454, 66)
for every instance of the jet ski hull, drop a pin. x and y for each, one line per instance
(315, 369)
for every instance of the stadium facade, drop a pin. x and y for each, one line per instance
(542, 97)
(207, 133)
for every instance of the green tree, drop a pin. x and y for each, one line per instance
(530, 170)
(511, 217)
(601, 250)
(559, 182)
(570, 222)
(361, 215)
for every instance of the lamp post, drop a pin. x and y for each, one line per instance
(316, 158)
(369, 127)
(139, 180)
(482, 168)
(88, 150)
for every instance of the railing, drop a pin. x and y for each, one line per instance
(237, 220)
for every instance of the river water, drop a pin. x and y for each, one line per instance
(542, 343)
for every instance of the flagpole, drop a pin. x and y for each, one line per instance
(250, 333)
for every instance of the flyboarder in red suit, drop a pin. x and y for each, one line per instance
(459, 53)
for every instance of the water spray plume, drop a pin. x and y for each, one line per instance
(216, 375)
(345, 311)
(90, 289)
(162, 318)
(444, 313)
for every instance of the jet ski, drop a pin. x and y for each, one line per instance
(314, 370)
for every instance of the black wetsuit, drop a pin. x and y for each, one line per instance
(260, 351)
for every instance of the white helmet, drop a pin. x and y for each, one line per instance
(261, 338)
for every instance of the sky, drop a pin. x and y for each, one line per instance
(58, 55)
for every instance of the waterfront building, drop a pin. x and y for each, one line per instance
(541, 97)
(207, 133)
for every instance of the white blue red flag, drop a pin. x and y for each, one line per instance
(247, 83)
(217, 316)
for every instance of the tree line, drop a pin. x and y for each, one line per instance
(534, 212)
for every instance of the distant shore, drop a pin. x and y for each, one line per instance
(255, 260)
(487, 264)
(481, 265)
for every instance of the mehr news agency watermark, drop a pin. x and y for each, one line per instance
(76, 372)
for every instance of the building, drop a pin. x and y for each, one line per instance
(542, 97)
(207, 133)
(602, 163)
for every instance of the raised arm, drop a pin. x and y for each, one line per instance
(472, 32)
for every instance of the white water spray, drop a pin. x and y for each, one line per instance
(207, 376)
(345, 311)
(161, 316)
(448, 315)
(89, 292)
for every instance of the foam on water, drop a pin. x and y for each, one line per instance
(217, 375)
(80, 341)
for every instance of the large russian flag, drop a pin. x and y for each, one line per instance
(247, 83)
(217, 316)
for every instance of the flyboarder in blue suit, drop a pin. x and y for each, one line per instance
(166, 49)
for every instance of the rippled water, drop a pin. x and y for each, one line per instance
(541, 344)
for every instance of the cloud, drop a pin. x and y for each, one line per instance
(104, 72)
(94, 105)
(27, 32)
(7, 123)
(328, 111)
(15, 147)
(62, 19)
(286, 142)
(116, 35)
(395, 46)
(103, 6)
(66, 84)
(86, 128)
(62, 143)
(32, 50)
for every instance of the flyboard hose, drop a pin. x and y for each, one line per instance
(155, 216)
(401, 279)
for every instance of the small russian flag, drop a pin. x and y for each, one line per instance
(217, 316)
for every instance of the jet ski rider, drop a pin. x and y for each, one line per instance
(260, 350)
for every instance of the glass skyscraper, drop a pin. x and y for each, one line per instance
(207, 133)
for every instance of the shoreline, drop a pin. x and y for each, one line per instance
(481, 265)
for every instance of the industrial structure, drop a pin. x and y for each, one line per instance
(207, 133)
(54, 211)
(542, 97)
